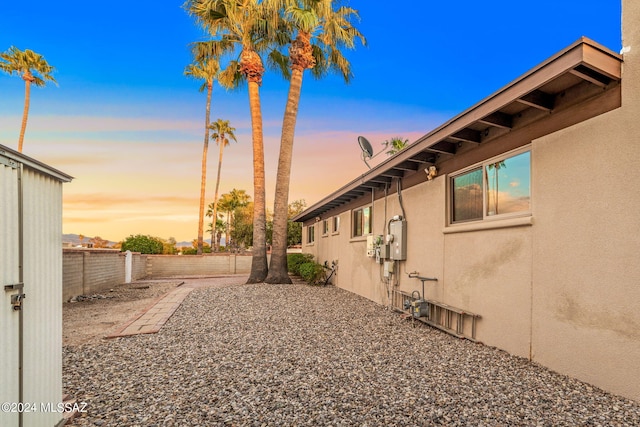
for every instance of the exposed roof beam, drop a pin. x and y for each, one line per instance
(381, 180)
(345, 198)
(373, 185)
(356, 194)
(590, 75)
(392, 173)
(498, 119)
(443, 147)
(406, 166)
(466, 135)
(538, 99)
(423, 157)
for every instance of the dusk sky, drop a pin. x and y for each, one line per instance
(127, 124)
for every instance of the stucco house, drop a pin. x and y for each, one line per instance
(524, 211)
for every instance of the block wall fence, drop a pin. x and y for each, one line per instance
(90, 271)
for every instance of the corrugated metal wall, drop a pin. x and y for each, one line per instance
(37, 189)
(42, 246)
(9, 261)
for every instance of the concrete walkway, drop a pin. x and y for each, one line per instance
(153, 318)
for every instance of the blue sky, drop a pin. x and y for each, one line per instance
(128, 125)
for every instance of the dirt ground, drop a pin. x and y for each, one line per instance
(95, 318)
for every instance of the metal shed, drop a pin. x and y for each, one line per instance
(31, 280)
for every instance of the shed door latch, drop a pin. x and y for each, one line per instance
(16, 299)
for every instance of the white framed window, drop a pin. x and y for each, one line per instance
(335, 225)
(361, 221)
(497, 188)
(325, 227)
(311, 234)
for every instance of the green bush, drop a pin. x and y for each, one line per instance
(294, 261)
(312, 273)
(143, 244)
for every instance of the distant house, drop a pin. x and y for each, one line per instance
(530, 226)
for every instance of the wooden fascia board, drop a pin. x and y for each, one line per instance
(602, 60)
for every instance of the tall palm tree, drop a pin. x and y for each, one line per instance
(222, 132)
(204, 68)
(247, 26)
(321, 32)
(33, 68)
(396, 143)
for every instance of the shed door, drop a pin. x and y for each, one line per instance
(9, 275)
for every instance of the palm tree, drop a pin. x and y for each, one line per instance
(220, 227)
(321, 31)
(33, 68)
(224, 205)
(204, 68)
(247, 26)
(221, 130)
(495, 167)
(396, 143)
(228, 203)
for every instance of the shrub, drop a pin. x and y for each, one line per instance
(143, 244)
(312, 273)
(294, 261)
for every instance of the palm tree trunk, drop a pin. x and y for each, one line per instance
(259, 266)
(203, 179)
(227, 231)
(25, 112)
(215, 197)
(278, 271)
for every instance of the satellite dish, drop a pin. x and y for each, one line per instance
(365, 146)
(367, 150)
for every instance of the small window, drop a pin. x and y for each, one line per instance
(497, 187)
(467, 196)
(325, 227)
(361, 221)
(335, 224)
(311, 234)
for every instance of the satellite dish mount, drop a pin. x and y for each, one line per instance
(367, 150)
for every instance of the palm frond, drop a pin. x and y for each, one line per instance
(231, 77)
(276, 60)
(28, 64)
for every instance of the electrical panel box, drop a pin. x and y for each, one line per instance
(371, 247)
(398, 246)
(373, 242)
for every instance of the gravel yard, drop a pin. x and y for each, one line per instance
(273, 355)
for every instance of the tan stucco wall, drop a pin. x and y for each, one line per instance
(587, 202)
(562, 287)
(489, 272)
